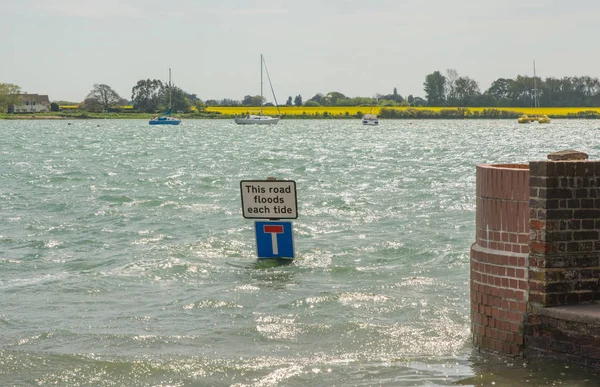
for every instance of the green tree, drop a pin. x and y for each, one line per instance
(289, 101)
(105, 96)
(499, 89)
(387, 102)
(435, 88)
(395, 97)
(255, 100)
(298, 100)
(466, 90)
(418, 101)
(178, 99)
(363, 101)
(54, 107)
(318, 98)
(9, 95)
(228, 102)
(146, 95)
(410, 99)
(520, 91)
(591, 89)
(333, 98)
(451, 97)
(200, 106)
(91, 105)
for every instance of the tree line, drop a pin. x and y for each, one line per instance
(440, 89)
(452, 89)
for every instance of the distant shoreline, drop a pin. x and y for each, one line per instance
(334, 112)
(33, 117)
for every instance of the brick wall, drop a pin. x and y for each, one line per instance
(535, 265)
(499, 258)
(565, 232)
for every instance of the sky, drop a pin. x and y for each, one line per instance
(358, 48)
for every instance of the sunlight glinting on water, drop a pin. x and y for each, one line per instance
(125, 259)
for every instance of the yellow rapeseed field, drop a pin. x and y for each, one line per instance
(354, 110)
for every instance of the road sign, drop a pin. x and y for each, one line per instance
(274, 239)
(269, 199)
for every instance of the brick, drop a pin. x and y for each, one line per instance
(538, 193)
(560, 193)
(590, 286)
(587, 214)
(537, 224)
(581, 193)
(588, 224)
(585, 235)
(537, 181)
(539, 247)
(564, 214)
(558, 287)
(538, 168)
(587, 203)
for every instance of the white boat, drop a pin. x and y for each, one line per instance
(259, 120)
(370, 119)
(253, 119)
(166, 119)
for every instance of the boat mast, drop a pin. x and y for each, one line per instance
(271, 85)
(169, 88)
(261, 83)
(535, 99)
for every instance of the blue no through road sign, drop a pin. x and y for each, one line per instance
(274, 239)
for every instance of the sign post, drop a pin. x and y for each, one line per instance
(274, 200)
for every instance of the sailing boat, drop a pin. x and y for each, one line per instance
(166, 119)
(259, 119)
(541, 119)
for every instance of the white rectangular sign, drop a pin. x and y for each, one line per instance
(269, 199)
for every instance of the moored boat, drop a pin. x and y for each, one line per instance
(257, 120)
(166, 119)
(525, 119)
(543, 119)
(370, 119)
(253, 119)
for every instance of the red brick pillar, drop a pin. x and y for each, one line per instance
(499, 258)
(565, 230)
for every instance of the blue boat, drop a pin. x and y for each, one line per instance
(166, 119)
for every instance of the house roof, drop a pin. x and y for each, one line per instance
(38, 98)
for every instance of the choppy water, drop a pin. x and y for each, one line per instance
(125, 259)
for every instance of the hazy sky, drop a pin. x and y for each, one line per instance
(359, 48)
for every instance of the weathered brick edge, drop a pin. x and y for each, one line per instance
(499, 258)
(535, 265)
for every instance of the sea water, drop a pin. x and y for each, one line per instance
(125, 259)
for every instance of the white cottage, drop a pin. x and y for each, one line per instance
(31, 103)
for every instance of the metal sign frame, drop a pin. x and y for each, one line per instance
(269, 199)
